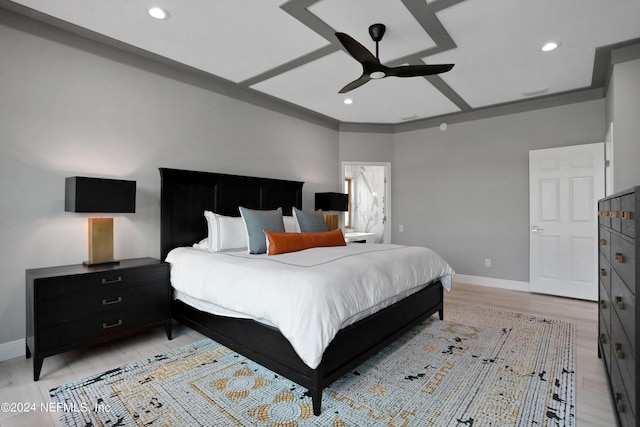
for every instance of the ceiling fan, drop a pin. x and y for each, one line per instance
(371, 66)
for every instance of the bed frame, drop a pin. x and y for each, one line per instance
(184, 197)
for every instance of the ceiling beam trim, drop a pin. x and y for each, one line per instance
(288, 66)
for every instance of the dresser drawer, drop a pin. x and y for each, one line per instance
(604, 243)
(624, 358)
(623, 260)
(604, 339)
(80, 306)
(104, 325)
(621, 401)
(616, 213)
(56, 287)
(628, 222)
(604, 210)
(604, 272)
(624, 307)
(604, 306)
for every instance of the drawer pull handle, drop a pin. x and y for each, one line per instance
(603, 242)
(620, 303)
(619, 352)
(627, 214)
(603, 213)
(603, 272)
(603, 304)
(108, 282)
(619, 403)
(603, 338)
(620, 258)
(115, 301)
(615, 214)
(113, 325)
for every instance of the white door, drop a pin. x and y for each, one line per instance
(564, 186)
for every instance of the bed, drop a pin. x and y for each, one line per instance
(185, 195)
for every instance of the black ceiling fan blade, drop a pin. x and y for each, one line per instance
(418, 70)
(355, 49)
(355, 84)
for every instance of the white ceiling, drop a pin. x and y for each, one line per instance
(289, 51)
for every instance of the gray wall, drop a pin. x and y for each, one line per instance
(623, 109)
(465, 192)
(70, 106)
(366, 147)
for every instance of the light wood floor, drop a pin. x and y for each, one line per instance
(593, 404)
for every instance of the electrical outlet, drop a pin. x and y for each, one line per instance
(487, 262)
(401, 228)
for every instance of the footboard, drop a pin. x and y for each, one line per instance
(352, 345)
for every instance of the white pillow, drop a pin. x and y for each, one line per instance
(202, 245)
(226, 233)
(290, 224)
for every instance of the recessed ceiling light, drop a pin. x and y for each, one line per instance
(158, 13)
(549, 46)
(348, 101)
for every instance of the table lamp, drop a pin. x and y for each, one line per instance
(98, 195)
(331, 202)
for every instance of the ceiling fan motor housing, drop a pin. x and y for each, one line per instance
(376, 31)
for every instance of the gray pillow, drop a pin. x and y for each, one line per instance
(310, 221)
(255, 222)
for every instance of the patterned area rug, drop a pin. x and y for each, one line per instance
(480, 367)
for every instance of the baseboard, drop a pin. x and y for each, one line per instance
(12, 349)
(494, 283)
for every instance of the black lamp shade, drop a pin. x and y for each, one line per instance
(332, 201)
(99, 195)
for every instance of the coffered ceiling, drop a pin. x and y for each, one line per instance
(289, 51)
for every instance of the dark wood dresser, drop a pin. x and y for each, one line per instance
(72, 305)
(617, 314)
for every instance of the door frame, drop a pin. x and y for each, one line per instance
(387, 191)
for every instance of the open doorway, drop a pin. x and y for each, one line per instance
(368, 185)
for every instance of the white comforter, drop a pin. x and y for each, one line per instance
(308, 295)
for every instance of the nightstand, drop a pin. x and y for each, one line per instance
(72, 305)
(360, 237)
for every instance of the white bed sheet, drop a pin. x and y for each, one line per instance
(308, 295)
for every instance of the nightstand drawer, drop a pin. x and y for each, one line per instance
(80, 306)
(72, 333)
(56, 287)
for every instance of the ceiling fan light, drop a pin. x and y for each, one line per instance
(377, 75)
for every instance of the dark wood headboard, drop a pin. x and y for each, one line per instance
(185, 195)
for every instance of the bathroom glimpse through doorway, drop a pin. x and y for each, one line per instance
(368, 185)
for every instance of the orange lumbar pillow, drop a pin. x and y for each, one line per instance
(281, 243)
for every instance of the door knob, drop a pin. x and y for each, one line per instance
(535, 229)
